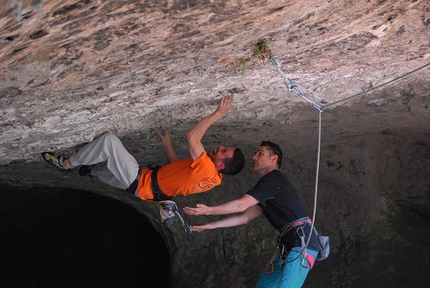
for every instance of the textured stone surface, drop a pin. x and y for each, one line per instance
(70, 70)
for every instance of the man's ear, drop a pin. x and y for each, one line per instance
(219, 165)
(275, 158)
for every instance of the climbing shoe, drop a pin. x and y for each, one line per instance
(55, 160)
(167, 212)
(85, 170)
(169, 215)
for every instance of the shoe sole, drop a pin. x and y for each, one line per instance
(53, 161)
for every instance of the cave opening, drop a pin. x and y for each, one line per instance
(59, 237)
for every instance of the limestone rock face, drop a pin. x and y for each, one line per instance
(71, 70)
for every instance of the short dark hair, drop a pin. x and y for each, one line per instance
(274, 150)
(235, 164)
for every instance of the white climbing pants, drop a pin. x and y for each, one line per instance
(120, 169)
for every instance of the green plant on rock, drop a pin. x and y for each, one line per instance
(260, 50)
(243, 62)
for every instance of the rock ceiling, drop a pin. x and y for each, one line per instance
(72, 69)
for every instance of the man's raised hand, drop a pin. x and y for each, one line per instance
(226, 104)
(162, 132)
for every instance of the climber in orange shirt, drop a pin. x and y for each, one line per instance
(199, 173)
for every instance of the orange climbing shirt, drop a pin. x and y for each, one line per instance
(183, 177)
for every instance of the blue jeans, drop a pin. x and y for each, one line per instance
(291, 275)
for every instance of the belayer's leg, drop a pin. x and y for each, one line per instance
(296, 269)
(271, 276)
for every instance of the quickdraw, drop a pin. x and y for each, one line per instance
(301, 234)
(291, 87)
(308, 264)
(281, 250)
(270, 266)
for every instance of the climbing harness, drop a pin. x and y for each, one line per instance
(156, 191)
(133, 186)
(282, 250)
(323, 240)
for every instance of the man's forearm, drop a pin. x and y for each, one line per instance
(236, 220)
(164, 136)
(224, 223)
(170, 152)
(234, 206)
(231, 221)
(196, 133)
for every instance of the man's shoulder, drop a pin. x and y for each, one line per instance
(270, 178)
(204, 159)
(275, 177)
(275, 174)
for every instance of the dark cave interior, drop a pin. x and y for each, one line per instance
(58, 237)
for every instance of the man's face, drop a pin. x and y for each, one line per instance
(221, 153)
(262, 159)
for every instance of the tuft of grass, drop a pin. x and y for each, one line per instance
(260, 50)
(243, 62)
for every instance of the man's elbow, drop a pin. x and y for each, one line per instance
(190, 136)
(245, 219)
(241, 207)
(243, 204)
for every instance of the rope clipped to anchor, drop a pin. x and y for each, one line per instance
(291, 87)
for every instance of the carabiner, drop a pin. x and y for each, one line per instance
(270, 263)
(280, 249)
(290, 85)
(303, 261)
